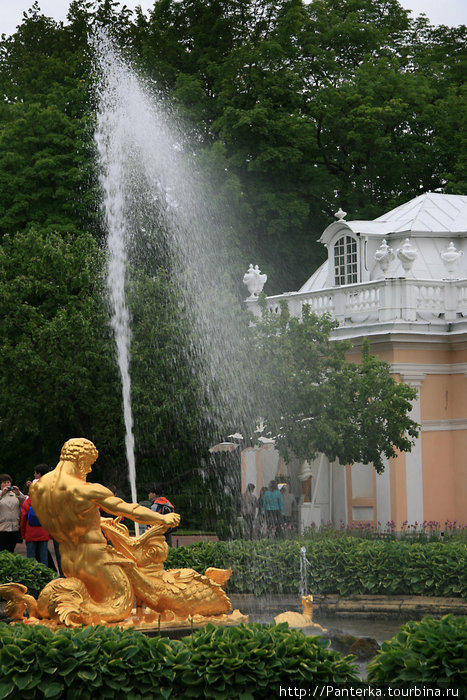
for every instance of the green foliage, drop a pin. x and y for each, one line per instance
(353, 566)
(249, 661)
(16, 568)
(430, 652)
(253, 661)
(41, 166)
(303, 107)
(315, 401)
(348, 566)
(57, 375)
(93, 662)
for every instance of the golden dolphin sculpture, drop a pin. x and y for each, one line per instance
(103, 582)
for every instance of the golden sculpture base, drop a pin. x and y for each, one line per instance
(155, 623)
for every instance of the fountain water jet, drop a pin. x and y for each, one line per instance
(110, 139)
(154, 200)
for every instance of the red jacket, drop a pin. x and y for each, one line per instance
(31, 533)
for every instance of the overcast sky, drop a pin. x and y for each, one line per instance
(450, 12)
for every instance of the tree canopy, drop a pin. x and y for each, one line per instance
(298, 110)
(314, 401)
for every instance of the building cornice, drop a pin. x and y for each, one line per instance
(406, 368)
(444, 425)
(386, 340)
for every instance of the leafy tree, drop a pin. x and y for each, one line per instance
(382, 124)
(314, 401)
(45, 155)
(299, 109)
(57, 375)
(41, 169)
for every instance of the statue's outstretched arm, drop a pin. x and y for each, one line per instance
(133, 511)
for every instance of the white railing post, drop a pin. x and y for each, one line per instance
(339, 304)
(389, 304)
(408, 299)
(450, 301)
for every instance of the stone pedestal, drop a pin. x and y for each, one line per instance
(308, 514)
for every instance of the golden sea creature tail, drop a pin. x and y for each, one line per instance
(68, 600)
(18, 600)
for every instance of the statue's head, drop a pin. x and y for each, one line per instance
(80, 451)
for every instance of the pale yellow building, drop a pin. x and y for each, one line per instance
(401, 281)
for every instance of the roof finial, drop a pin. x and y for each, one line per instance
(341, 214)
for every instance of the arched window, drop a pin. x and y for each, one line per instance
(345, 261)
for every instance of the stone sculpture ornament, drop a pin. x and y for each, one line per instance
(384, 256)
(254, 281)
(450, 258)
(407, 254)
(102, 582)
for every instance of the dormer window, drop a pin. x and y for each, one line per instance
(345, 261)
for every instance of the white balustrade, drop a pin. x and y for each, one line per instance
(380, 301)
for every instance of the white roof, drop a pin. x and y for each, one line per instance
(432, 211)
(317, 279)
(432, 219)
(429, 213)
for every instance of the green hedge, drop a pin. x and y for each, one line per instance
(249, 661)
(430, 653)
(15, 567)
(347, 566)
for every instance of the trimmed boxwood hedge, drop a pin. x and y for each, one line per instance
(248, 662)
(431, 653)
(347, 566)
(15, 567)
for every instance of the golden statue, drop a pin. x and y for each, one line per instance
(298, 620)
(103, 583)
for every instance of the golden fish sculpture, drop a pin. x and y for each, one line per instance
(103, 583)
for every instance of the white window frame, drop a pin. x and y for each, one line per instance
(345, 255)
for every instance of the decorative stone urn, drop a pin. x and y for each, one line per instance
(450, 258)
(254, 281)
(384, 256)
(407, 254)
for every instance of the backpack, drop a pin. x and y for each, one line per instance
(163, 508)
(33, 520)
(166, 509)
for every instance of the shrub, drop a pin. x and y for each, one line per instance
(430, 652)
(249, 661)
(252, 661)
(347, 566)
(94, 662)
(351, 566)
(14, 567)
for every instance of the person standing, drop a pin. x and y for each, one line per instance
(273, 507)
(161, 504)
(32, 532)
(11, 500)
(40, 470)
(249, 505)
(289, 505)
